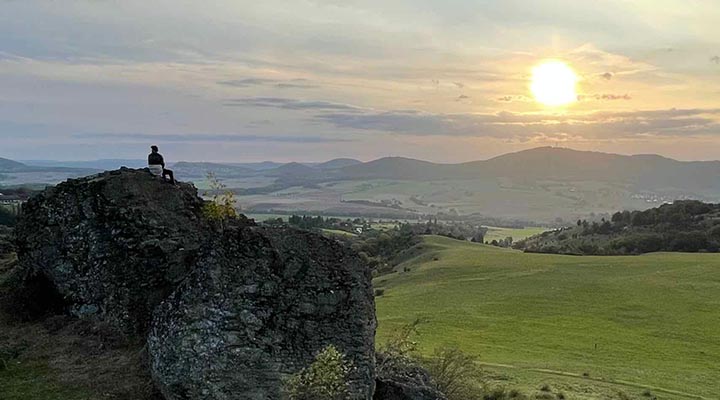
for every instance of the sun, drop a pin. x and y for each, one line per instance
(553, 83)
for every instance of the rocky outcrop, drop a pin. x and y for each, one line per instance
(227, 313)
(260, 307)
(113, 245)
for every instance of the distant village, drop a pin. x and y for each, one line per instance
(659, 199)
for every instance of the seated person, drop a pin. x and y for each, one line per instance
(156, 165)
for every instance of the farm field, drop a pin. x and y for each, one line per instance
(590, 327)
(499, 233)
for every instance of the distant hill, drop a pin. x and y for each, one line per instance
(293, 169)
(102, 164)
(257, 166)
(10, 165)
(338, 163)
(201, 169)
(643, 172)
(686, 226)
(397, 168)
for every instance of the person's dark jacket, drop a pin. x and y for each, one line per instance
(156, 159)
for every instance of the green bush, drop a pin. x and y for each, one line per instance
(222, 206)
(456, 374)
(503, 394)
(325, 379)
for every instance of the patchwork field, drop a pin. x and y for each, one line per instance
(590, 327)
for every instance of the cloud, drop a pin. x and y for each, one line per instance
(607, 76)
(600, 97)
(226, 138)
(459, 85)
(247, 82)
(288, 104)
(715, 60)
(281, 84)
(462, 97)
(597, 125)
(512, 98)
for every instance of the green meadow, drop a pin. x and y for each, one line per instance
(591, 327)
(499, 233)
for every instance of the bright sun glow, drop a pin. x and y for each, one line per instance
(553, 83)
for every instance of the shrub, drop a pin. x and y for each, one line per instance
(455, 373)
(503, 394)
(398, 353)
(222, 206)
(325, 379)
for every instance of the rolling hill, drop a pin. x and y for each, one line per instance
(201, 169)
(10, 165)
(645, 172)
(337, 163)
(588, 326)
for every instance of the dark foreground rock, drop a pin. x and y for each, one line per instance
(6, 241)
(112, 245)
(260, 307)
(227, 313)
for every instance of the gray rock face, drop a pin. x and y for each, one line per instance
(227, 313)
(259, 307)
(113, 245)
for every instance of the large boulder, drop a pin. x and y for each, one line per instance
(259, 307)
(113, 245)
(228, 310)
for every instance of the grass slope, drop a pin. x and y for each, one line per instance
(627, 323)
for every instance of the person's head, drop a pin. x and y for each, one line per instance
(154, 148)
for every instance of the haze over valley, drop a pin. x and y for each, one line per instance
(546, 186)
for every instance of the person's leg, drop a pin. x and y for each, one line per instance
(169, 174)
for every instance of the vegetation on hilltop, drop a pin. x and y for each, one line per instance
(686, 226)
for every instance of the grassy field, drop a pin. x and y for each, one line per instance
(588, 326)
(497, 233)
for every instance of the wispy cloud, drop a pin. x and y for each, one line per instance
(672, 122)
(288, 104)
(605, 96)
(199, 137)
(512, 98)
(281, 84)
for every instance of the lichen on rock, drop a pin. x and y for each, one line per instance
(259, 308)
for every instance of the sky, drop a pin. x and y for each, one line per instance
(311, 80)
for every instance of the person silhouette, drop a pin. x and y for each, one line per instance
(156, 165)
